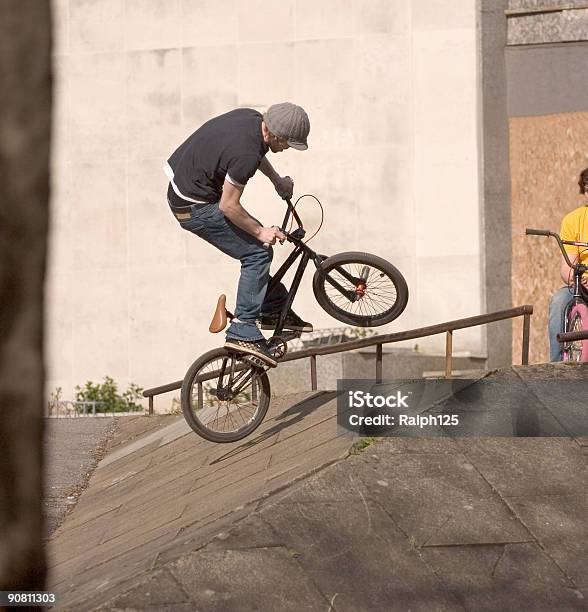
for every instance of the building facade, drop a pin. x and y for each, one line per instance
(408, 153)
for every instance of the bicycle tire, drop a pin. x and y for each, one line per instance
(577, 321)
(198, 372)
(363, 317)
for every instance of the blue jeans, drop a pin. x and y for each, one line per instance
(208, 222)
(560, 299)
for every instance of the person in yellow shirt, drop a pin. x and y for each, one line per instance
(573, 227)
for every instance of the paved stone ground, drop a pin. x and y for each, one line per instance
(288, 520)
(72, 449)
(406, 525)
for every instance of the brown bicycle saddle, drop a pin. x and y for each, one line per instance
(219, 319)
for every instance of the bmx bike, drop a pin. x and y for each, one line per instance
(576, 311)
(225, 394)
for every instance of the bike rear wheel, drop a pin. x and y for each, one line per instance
(224, 397)
(577, 321)
(360, 289)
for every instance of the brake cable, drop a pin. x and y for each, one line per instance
(309, 195)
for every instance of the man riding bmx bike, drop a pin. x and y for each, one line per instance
(208, 173)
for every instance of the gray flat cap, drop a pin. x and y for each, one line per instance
(289, 121)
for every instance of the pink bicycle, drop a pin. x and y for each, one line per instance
(576, 312)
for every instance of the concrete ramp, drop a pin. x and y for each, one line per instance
(289, 520)
(160, 493)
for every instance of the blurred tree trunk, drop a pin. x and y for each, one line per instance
(25, 123)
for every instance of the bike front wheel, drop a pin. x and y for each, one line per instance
(360, 289)
(578, 321)
(224, 397)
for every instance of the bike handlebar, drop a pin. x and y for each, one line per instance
(560, 242)
(537, 232)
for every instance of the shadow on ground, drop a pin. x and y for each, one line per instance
(293, 415)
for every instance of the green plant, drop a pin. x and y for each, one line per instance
(107, 397)
(361, 445)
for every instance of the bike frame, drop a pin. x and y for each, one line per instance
(306, 254)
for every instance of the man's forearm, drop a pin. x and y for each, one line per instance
(267, 169)
(242, 219)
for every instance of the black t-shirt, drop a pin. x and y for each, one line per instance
(230, 144)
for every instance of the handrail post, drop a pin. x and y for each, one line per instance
(448, 353)
(378, 363)
(151, 405)
(313, 381)
(526, 329)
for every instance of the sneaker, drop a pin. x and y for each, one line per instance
(293, 321)
(256, 348)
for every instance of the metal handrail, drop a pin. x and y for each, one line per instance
(448, 327)
(572, 336)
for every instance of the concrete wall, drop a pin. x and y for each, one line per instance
(496, 206)
(391, 90)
